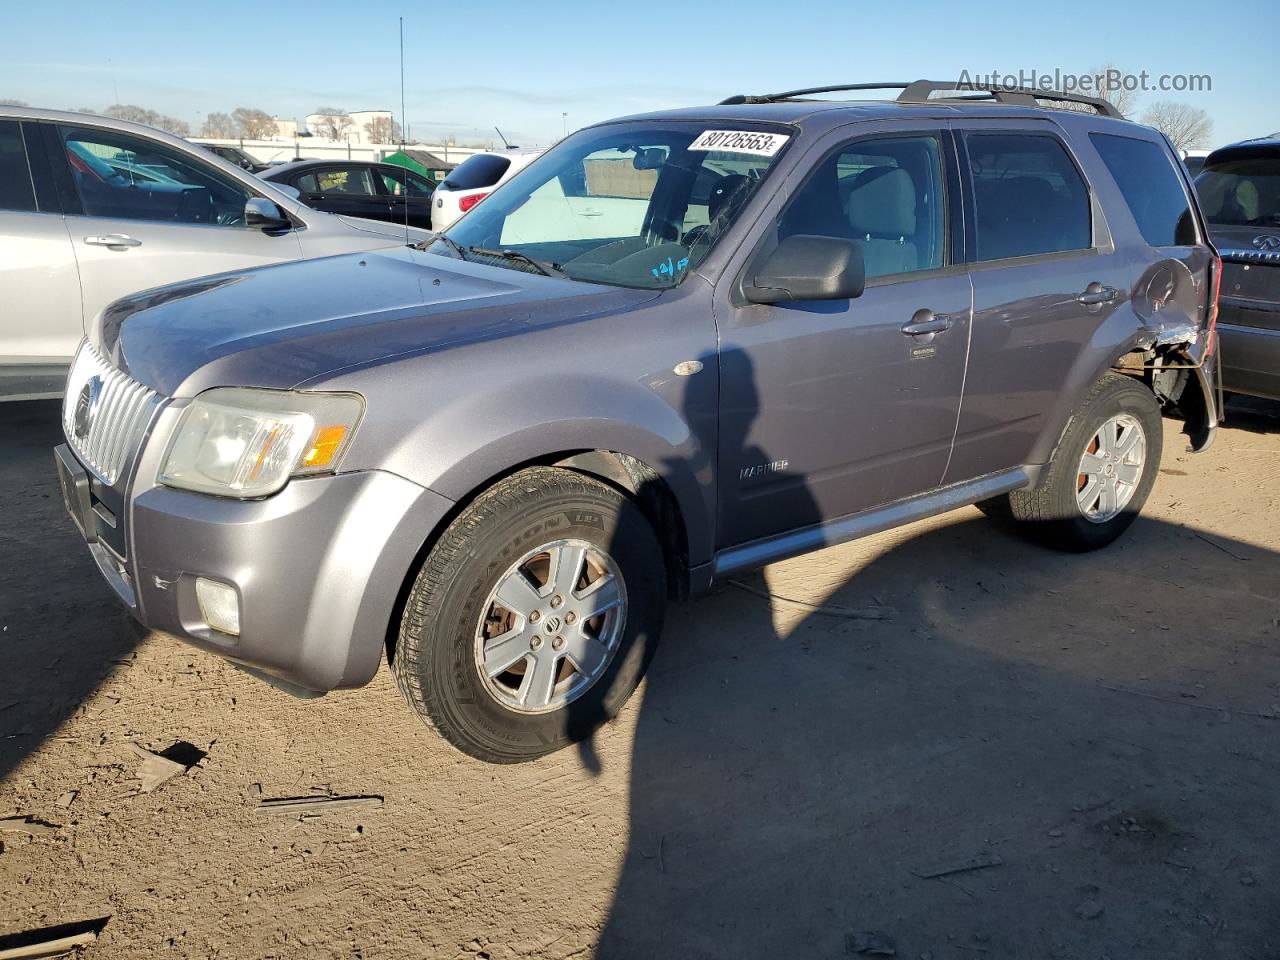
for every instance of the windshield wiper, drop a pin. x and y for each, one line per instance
(545, 267)
(453, 244)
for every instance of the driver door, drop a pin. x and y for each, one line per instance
(829, 408)
(144, 214)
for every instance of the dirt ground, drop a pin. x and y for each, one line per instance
(1101, 731)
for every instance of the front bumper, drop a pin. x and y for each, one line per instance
(317, 567)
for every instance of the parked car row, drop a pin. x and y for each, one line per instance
(93, 209)
(671, 348)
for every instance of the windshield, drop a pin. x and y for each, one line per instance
(636, 204)
(1242, 192)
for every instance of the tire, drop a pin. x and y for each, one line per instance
(576, 669)
(1051, 512)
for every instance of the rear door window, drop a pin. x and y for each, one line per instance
(477, 171)
(394, 182)
(16, 191)
(1145, 174)
(1029, 198)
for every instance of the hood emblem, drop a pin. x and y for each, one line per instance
(86, 407)
(1267, 242)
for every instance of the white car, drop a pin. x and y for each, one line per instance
(474, 179)
(93, 209)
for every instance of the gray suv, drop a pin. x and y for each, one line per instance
(674, 347)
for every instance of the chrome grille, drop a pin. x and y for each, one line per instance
(104, 412)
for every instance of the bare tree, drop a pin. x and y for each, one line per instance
(137, 114)
(254, 124)
(1110, 88)
(13, 103)
(1187, 126)
(382, 130)
(333, 123)
(220, 126)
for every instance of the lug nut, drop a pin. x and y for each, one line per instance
(557, 643)
(535, 643)
(557, 600)
(570, 617)
(535, 616)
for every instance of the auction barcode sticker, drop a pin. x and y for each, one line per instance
(741, 141)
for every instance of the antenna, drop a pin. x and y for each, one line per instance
(505, 143)
(404, 196)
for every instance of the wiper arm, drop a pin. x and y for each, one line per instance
(545, 267)
(453, 244)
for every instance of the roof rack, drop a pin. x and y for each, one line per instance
(919, 91)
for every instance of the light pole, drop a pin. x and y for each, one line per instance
(564, 125)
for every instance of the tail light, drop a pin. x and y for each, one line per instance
(466, 203)
(1215, 292)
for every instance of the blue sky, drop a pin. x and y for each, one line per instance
(470, 66)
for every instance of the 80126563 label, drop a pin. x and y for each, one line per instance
(741, 141)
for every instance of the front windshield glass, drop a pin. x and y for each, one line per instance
(634, 204)
(1242, 192)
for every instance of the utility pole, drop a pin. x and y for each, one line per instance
(564, 124)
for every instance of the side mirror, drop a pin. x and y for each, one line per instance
(805, 267)
(261, 214)
(289, 190)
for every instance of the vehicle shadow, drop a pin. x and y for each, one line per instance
(947, 741)
(61, 628)
(1255, 414)
(1098, 730)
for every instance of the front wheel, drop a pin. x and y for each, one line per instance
(1101, 473)
(533, 618)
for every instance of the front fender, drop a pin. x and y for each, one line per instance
(454, 437)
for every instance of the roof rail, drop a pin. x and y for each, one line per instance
(919, 91)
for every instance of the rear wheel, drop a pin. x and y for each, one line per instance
(1100, 475)
(534, 617)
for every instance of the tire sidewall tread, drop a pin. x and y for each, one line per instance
(434, 659)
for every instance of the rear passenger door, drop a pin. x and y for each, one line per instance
(1046, 275)
(405, 188)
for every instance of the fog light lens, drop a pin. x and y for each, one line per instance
(219, 605)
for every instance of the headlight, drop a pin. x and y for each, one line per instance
(239, 442)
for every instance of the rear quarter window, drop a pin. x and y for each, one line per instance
(479, 170)
(1144, 171)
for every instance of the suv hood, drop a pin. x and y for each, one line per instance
(287, 324)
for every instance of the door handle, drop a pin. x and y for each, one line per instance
(1095, 293)
(113, 240)
(926, 321)
(591, 213)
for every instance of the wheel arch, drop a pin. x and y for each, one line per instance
(637, 479)
(1182, 385)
